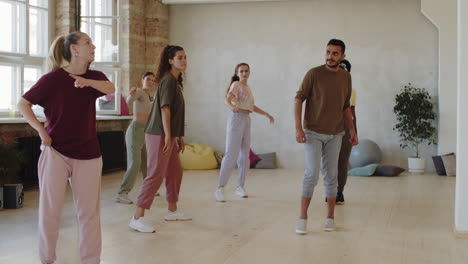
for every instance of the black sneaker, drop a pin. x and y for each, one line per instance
(339, 198)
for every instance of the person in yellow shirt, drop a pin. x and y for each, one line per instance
(346, 146)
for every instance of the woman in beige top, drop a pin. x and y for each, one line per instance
(135, 136)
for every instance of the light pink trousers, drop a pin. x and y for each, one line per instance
(84, 176)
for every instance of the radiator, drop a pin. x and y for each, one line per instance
(114, 155)
(30, 149)
(112, 143)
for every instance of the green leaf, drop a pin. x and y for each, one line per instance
(415, 116)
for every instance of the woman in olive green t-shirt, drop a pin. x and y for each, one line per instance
(164, 139)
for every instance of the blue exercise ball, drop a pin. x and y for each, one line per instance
(365, 153)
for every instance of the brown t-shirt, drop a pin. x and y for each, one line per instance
(327, 95)
(170, 94)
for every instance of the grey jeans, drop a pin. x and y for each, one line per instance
(325, 148)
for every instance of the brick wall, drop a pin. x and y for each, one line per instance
(156, 32)
(64, 17)
(145, 32)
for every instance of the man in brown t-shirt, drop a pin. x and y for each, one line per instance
(326, 90)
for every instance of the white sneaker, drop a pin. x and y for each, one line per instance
(139, 226)
(219, 195)
(301, 227)
(241, 192)
(329, 225)
(176, 216)
(123, 198)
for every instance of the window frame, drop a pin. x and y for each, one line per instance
(22, 58)
(108, 66)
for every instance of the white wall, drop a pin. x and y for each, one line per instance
(390, 43)
(461, 194)
(171, 2)
(443, 13)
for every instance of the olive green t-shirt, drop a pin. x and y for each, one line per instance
(327, 94)
(169, 93)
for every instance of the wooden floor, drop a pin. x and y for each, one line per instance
(408, 219)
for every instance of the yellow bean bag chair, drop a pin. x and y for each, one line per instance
(198, 157)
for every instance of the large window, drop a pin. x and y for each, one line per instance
(23, 48)
(100, 20)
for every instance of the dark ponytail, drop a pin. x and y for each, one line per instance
(168, 52)
(236, 78)
(345, 65)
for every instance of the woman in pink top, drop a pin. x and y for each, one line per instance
(70, 148)
(240, 100)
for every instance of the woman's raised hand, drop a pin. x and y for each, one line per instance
(133, 91)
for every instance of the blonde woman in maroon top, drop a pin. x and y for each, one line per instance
(70, 149)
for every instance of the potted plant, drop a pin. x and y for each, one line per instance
(415, 114)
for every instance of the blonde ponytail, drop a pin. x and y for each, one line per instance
(55, 58)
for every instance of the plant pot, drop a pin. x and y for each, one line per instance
(416, 165)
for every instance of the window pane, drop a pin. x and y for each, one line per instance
(12, 21)
(8, 76)
(107, 104)
(104, 34)
(99, 7)
(84, 8)
(31, 76)
(38, 32)
(39, 3)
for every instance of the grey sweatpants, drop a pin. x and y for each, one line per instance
(325, 148)
(237, 148)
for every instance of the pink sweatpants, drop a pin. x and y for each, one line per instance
(160, 165)
(84, 176)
